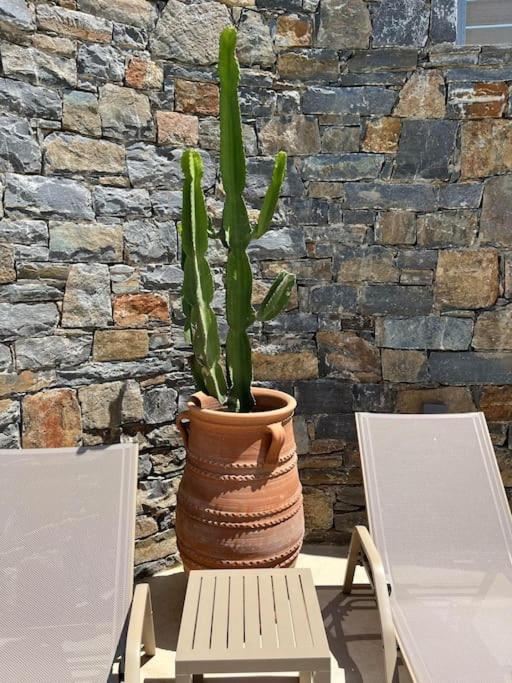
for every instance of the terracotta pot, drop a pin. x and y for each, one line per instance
(240, 498)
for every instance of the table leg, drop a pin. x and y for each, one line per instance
(322, 677)
(305, 677)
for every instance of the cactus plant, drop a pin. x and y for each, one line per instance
(235, 234)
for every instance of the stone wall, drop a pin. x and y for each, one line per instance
(396, 217)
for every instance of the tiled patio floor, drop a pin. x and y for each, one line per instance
(351, 621)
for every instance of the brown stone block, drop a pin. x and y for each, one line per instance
(404, 365)
(293, 31)
(193, 97)
(423, 96)
(486, 148)
(496, 402)
(7, 270)
(396, 227)
(51, 419)
(25, 381)
(467, 279)
(174, 128)
(457, 399)
(295, 135)
(375, 265)
(382, 135)
(303, 269)
(273, 364)
(493, 330)
(479, 100)
(120, 344)
(349, 356)
(155, 547)
(318, 508)
(138, 310)
(144, 74)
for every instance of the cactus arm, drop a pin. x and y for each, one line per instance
(236, 230)
(277, 297)
(271, 197)
(197, 291)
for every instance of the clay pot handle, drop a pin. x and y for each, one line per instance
(183, 429)
(278, 435)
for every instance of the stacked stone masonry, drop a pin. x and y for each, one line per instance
(396, 217)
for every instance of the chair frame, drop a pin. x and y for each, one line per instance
(141, 632)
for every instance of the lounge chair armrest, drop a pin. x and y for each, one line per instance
(141, 631)
(363, 542)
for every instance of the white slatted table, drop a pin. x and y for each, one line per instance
(254, 621)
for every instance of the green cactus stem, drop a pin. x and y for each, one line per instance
(235, 234)
(197, 293)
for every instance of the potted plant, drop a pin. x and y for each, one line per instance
(240, 498)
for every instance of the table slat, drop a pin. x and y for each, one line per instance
(284, 620)
(251, 611)
(236, 611)
(220, 613)
(301, 625)
(189, 615)
(204, 616)
(267, 612)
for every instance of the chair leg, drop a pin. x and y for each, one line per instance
(353, 556)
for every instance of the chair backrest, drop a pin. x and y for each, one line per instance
(67, 519)
(436, 503)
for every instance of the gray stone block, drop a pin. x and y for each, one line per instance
(29, 100)
(417, 259)
(425, 332)
(16, 15)
(87, 297)
(426, 149)
(293, 322)
(148, 241)
(401, 22)
(160, 167)
(369, 101)
(463, 368)
(443, 21)
(189, 33)
(23, 320)
(259, 173)
(19, 151)
(383, 60)
(100, 63)
(37, 353)
(336, 426)
(282, 243)
(323, 396)
(368, 195)
(460, 196)
(342, 166)
(332, 298)
(52, 197)
(395, 299)
(119, 201)
(160, 405)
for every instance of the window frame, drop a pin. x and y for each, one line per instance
(461, 15)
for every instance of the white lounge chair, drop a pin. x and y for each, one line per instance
(440, 548)
(67, 605)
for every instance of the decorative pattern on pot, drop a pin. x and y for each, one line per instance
(240, 498)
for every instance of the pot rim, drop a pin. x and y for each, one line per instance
(217, 416)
